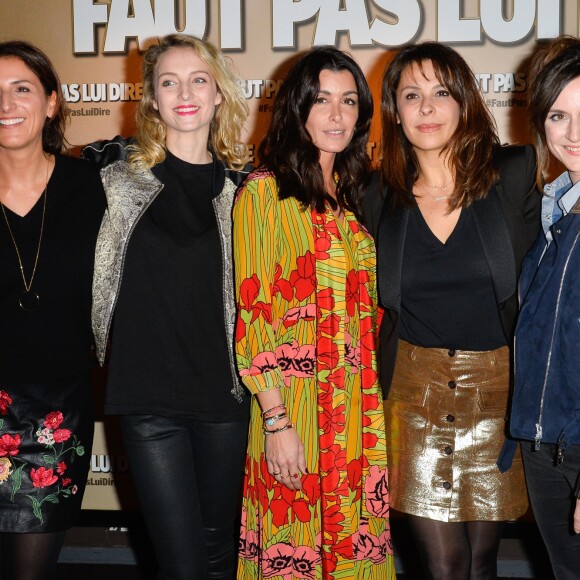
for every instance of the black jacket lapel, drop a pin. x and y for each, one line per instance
(497, 244)
(391, 243)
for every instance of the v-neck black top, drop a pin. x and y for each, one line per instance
(54, 341)
(448, 299)
(168, 346)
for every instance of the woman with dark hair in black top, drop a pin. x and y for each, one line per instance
(50, 210)
(454, 214)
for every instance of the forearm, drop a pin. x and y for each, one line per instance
(269, 399)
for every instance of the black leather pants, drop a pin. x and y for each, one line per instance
(188, 475)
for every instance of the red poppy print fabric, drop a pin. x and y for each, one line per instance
(306, 292)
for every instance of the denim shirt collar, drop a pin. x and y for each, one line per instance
(559, 199)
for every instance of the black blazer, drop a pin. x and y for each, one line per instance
(508, 221)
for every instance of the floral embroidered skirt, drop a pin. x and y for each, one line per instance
(46, 435)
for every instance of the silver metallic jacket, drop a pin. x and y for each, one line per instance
(129, 193)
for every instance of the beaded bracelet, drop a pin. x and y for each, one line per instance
(273, 419)
(288, 425)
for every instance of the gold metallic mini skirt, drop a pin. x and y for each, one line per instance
(445, 421)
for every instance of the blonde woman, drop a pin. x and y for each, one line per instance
(163, 276)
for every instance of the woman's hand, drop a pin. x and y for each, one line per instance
(577, 516)
(285, 458)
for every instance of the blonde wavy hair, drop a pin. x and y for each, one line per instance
(230, 115)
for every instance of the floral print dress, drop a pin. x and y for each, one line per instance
(306, 293)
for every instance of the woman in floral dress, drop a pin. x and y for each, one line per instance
(316, 492)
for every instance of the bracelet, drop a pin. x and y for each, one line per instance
(288, 425)
(280, 407)
(273, 419)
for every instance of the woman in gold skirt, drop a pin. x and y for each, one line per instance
(454, 214)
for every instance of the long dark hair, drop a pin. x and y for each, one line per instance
(53, 140)
(471, 147)
(551, 69)
(288, 150)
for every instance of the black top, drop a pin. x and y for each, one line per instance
(507, 219)
(54, 341)
(169, 348)
(447, 295)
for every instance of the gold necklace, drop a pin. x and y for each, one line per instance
(29, 300)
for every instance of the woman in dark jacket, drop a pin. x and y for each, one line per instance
(546, 405)
(458, 215)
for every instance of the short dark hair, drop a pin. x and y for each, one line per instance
(287, 149)
(554, 66)
(53, 139)
(470, 147)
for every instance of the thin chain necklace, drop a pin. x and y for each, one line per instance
(441, 187)
(436, 197)
(29, 299)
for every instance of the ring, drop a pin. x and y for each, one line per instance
(283, 476)
(275, 473)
